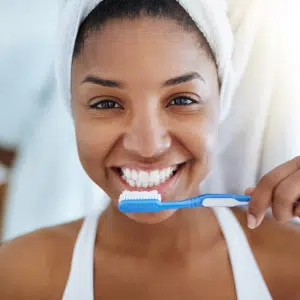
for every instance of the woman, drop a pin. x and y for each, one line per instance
(148, 92)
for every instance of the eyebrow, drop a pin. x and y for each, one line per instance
(119, 84)
(104, 82)
(183, 78)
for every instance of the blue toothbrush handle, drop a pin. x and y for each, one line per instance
(209, 200)
(220, 200)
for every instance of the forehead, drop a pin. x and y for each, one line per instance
(146, 44)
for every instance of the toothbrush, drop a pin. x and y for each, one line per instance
(147, 202)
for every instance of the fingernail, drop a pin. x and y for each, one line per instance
(252, 222)
(249, 190)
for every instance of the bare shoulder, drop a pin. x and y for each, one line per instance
(276, 248)
(36, 266)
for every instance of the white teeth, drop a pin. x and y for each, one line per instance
(162, 175)
(144, 179)
(157, 181)
(131, 183)
(144, 185)
(127, 173)
(143, 176)
(154, 176)
(162, 180)
(169, 172)
(134, 175)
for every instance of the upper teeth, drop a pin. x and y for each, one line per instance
(144, 179)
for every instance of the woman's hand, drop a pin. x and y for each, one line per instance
(280, 189)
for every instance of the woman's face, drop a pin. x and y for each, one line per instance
(145, 99)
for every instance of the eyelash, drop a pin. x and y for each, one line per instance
(192, 101)
(97, 104)
(111, 104)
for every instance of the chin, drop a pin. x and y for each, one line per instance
(151, 218)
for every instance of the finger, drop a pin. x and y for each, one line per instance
(261, 197)
(249, 190)
(286, 194)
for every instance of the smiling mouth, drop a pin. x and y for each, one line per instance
(148, 179)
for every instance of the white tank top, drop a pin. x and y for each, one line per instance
(249, 282)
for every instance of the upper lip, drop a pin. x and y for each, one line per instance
(147, 167)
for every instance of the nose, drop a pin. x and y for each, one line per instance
(147, 135)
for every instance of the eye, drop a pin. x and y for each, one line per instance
(182, 100)
(105, 104)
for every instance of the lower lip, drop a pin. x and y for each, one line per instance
(163, 188)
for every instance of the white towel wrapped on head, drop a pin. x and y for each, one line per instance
(210, 17)
(262, 129)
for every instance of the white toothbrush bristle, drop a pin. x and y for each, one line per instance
(134, 195)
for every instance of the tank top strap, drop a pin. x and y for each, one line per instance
(80, 284)
(249, 281)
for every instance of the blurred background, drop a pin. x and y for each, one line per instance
(41, 180)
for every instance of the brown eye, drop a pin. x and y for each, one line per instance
(105, 104)
(182, 101)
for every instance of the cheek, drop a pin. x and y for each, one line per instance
(95, 139)
(201, 134)
(209, 130)
(200, 141)
(202, 146)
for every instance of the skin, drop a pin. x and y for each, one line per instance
(135, 252)
(146, 131)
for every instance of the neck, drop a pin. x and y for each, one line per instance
(187, 231)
